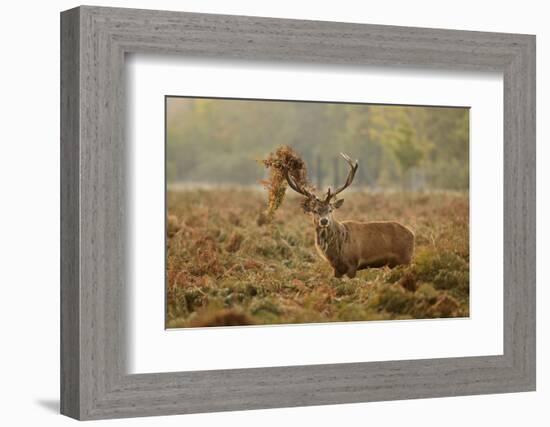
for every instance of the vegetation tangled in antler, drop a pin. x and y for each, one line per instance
(283, 160)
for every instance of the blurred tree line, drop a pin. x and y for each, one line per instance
(413, 148)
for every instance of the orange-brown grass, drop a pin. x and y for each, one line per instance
(224, 269)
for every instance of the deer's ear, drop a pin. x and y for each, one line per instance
(338, 203)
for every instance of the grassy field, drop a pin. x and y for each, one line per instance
(225, 269)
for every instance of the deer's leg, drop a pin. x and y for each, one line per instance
(352, 271)
(338, 274)
(351, 267)
(339, 269)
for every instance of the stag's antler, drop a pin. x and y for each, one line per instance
(296, 187)
(353, 164)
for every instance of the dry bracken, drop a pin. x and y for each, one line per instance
(224, 271)
(281, 160)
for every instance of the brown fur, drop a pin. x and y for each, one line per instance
(351, 245)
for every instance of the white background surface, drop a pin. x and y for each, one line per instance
(29, 214)
(153, 349)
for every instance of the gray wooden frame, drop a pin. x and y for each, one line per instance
(94, 41)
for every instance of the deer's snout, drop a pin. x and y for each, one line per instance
(323, 222)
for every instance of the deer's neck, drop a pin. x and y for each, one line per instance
(330, 239)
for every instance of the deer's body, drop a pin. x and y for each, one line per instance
(349, 246)
(352, 245)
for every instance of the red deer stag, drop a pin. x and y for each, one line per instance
(352, 245)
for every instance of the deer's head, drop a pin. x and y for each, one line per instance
(322, 208)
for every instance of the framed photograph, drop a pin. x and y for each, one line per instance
(261, 213)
